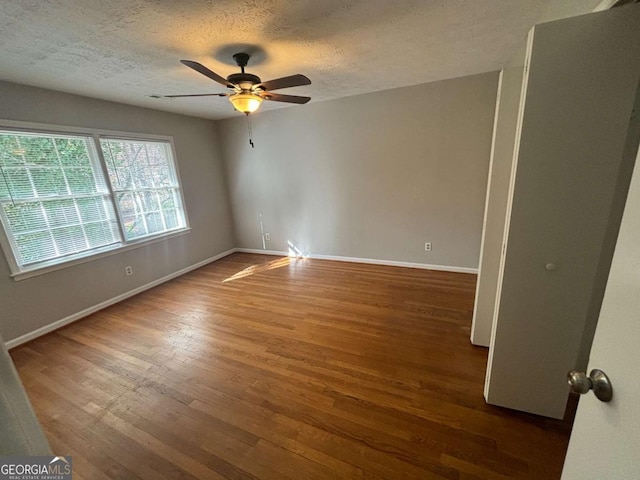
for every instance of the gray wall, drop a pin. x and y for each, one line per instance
(370, 176)
(497, 196)
(35, 302)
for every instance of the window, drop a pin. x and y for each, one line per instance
(145, 185)
(59, 202)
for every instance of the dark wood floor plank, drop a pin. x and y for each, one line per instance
(258, 367)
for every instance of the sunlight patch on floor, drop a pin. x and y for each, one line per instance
(281, 262)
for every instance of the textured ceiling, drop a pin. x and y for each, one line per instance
(126, 50)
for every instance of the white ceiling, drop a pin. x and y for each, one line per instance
(126, 50)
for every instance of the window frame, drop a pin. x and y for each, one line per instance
(20, 273)
(114, 192)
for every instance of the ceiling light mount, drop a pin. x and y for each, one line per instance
(242, 59)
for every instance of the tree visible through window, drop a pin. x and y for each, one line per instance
(144, 184)
(56, 205)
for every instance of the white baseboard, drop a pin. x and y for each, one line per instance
(372, 261)
(88, 311)
(262, 252)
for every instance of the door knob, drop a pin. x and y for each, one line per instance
(596, 381)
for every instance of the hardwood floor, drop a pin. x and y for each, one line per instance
(258, 367)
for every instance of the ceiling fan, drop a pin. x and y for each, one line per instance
(247, 90)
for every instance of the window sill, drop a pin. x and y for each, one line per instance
(41, 270)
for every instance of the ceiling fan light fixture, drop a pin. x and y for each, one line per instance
(246, 102)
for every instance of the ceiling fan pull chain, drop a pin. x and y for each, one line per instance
(250, 131)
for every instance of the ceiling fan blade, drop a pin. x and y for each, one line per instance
(278, 97)
(192, 95)
(285, 82)
(207, 73)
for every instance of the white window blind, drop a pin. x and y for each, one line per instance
(145, 186)
(54, 199)
(57, 206)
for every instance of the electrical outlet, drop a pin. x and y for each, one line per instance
(267, 236)
(427, 246)
(128, 270)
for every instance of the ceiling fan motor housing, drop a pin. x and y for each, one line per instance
(244, 80)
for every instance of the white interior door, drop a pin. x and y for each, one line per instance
(605, 443)
(564, 202)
